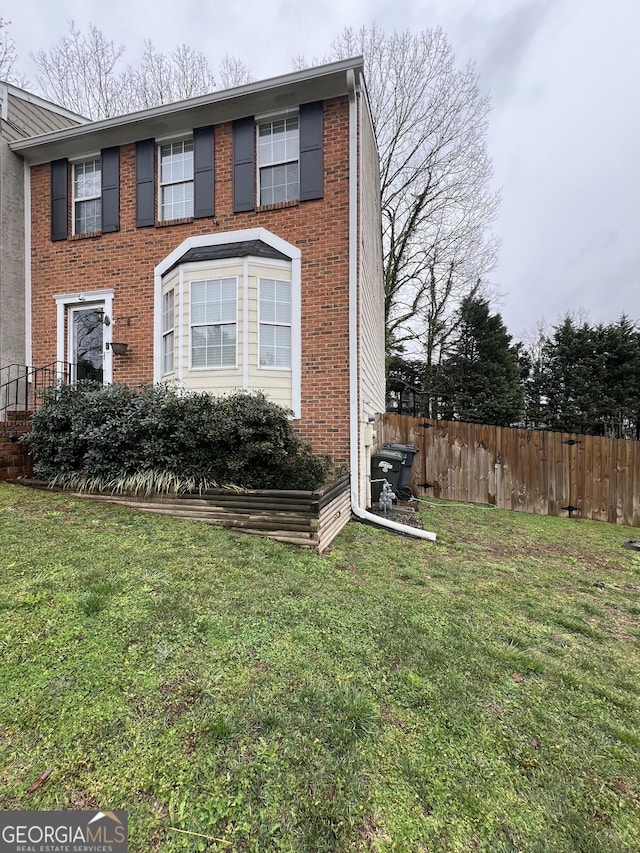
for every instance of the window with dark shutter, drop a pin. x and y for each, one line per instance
(110, 189)
(145, 184)
(311, 158)
(243, 164)
(59, 199)
(203, 175)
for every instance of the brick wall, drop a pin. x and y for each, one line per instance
(125, 261)
(15, 457)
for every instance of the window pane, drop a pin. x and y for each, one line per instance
(176, 162)
(177, 201)
(167, 311)
(87, 179)
(213, 346)
(278, 141)
(275, 346)
(279, 183)
(213, 301)
(275, 301)
(167, 353)
(88, 216)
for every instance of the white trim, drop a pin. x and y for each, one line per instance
(28, 326)
(354, 425)
(64, 301)
(181, 319)
(221, 239)
(245, 324)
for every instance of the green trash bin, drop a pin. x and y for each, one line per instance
(385, 465)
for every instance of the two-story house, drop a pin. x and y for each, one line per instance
(231, 241)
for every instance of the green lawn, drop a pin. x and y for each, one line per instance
(232, 693)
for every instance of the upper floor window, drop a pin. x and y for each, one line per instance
(275, 323)
(214, 322)
(87, 200)
(278, 160)
(176, 180)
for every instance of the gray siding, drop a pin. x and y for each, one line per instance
(21, 115)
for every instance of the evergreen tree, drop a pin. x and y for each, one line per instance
(588, 380)
(484, 369)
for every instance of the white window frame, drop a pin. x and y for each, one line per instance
(96, 161)
(182, 181)
(276, 324)
(209, 324)
(271, 163)
(168, 331)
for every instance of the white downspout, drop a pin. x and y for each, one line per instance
(353, 332)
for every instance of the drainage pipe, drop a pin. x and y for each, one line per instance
(354, 426)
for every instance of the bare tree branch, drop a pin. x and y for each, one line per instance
(437, 206)
(86, 73)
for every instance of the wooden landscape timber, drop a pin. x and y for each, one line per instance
(308, 518)
(526, 470)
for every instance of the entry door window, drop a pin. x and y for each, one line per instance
(87, 338)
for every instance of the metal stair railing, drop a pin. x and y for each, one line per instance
(22, 388)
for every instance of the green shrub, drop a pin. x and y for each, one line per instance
(156, 438)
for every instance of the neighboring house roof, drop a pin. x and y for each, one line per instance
(24, 114)
(263, 97)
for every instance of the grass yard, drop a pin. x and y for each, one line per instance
(477, 694)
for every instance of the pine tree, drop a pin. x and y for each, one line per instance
(484, 369)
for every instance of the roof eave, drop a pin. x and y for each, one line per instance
(263, 97)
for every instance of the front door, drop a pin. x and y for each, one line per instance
(86, 342)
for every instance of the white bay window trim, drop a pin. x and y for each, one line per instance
(293, 265)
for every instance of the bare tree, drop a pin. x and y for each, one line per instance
(162, 79)
(8, 54)
(233, 72)
(86, 74)
(81, 73)
(431, 124)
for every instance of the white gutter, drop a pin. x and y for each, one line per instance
(357, 510)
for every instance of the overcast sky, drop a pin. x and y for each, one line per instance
(563, 76)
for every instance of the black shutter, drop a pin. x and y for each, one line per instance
(110, 189)
(145, 183)
(203, 200)
(243, 164)
(59, 199)
(311, 160)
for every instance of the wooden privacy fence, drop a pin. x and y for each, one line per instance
(545, 473)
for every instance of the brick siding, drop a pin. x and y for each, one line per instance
(125, 261)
